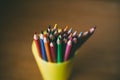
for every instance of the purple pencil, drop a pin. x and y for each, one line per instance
(67, 51)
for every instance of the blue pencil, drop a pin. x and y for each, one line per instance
(42, 47)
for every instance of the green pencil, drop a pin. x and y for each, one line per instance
(59, 50)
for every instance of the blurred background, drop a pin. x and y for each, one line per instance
(98, 58)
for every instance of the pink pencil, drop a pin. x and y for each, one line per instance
(67, 51)
(91, 31)
(52, 50)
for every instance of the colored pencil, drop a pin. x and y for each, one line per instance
(63, 43)
(36, 41)
(52, 50)
(55, 27)
(80, 34)
(49, 29)
(69, 31)
(85, 33)
(74, 34)
(59, 50)
(46, 44)
(45, 33)
(65, 29)
(73, 48)
(70, 35)
(91, 31)
(60, 31)
(42, 47)
(67, 51)
(51, 36)
(85, 36)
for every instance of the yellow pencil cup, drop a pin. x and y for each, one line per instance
(53, 71)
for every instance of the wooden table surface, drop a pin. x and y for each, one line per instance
(98, 58)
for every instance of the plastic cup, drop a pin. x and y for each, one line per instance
(50, 70)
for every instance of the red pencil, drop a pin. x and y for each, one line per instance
(52, 50)
(37, 43)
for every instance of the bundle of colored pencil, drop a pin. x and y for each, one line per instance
(59, 45)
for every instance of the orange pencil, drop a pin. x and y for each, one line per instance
(65, 29)
(37, 43)
(46, 44)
